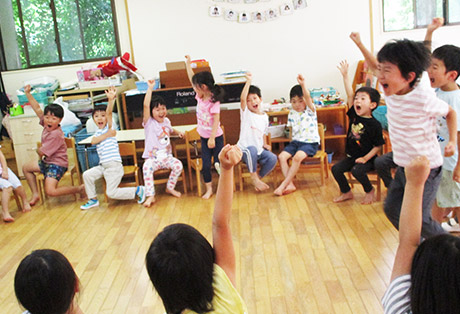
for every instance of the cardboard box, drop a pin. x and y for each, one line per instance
(178, 78)
(179, 65)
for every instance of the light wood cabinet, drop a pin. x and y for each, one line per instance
(26, 132)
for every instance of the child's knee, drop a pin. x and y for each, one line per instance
(283, 157)
(299, 157)
(7, 190)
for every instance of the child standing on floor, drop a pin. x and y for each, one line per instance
(305, 137)
(45, 282)
(189, 274)
(9, 182)
(253, 135)
(443, 72)
(53, 153)
(364, 139)
(157, 151)
(110, 165)
(208, 96)
(425, 276)
(412, 111)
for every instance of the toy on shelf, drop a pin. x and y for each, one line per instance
(325, 96)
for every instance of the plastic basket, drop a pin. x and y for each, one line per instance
(46, 84)
(40, 97)
(87, 156)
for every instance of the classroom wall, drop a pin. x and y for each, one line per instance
(311, 41)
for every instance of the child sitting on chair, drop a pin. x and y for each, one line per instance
(157, 151)
(364, 139)
(253, 135)
(53, 153)
(110, 166)
(8, 182)
(305, 137)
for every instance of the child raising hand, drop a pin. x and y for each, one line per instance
(187, 272)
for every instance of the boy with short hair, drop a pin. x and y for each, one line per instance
(412, 111)
(110, 165)
(443, 72)
(305, 137)
(53, 153)
(253, 135)
(364, 139)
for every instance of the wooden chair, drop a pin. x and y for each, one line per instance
(72, 170)
(318, 162)
(192, 139)
(243, 172)
(164, 174)
(131, 171)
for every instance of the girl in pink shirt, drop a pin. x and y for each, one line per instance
(157, 150)
(208, 96)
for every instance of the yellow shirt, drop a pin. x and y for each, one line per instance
(226, 299)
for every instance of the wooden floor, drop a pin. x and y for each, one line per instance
(300, 253)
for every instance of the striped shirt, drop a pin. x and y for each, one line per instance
(107, 150)
(397, 298)
(412, 124)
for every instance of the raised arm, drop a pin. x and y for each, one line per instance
(245, 91)
(111, 95)
(410, 221)
(343, 68)
(368, 56)
(306, 93)
(435, 24)
(188, 66)
(147, 99)
(221, 232)
(33, 103)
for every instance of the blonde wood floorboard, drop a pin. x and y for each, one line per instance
(300, 253)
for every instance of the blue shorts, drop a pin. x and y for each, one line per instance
(308, 148)
(51, 170)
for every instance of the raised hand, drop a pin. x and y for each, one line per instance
(343, 67)
(355, 37)
(300, 79)
(27, 89)
(111, 93)
(436, 23)
(151, 84)
(229, 156)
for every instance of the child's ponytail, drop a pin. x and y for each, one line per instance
(206, 78)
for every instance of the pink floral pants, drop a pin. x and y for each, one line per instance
(151, 165)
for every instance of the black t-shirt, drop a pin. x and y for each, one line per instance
(363, 134)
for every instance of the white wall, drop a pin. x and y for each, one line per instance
(311, 41)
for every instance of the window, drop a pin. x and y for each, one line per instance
(38, 33)
(410, 14)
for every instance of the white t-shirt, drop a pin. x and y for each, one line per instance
(453, 99)
(253, 128)
(412, 124)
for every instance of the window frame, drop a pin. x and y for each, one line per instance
(3, 65)
(445, 12)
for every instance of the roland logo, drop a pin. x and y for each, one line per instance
(185, 93)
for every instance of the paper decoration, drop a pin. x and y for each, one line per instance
(244, 17)
(258, 17)
(300, 4)
(271, 14)
(215, 11)
(231, 15)
(286, 8)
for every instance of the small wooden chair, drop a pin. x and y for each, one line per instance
(72, 169)
(131, 171)
(192, 139)
(319, 161)
(243, 169)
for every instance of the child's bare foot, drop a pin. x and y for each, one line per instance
(149, 201)
(82, 192)
(344, 197)
(369, 198)
(26, 207)
(279, 191)
(290, 188)
(207, 195)
(173, 193)
(260, 186)
(7, 217)
(35, 198)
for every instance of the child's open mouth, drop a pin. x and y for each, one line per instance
(358, 108)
